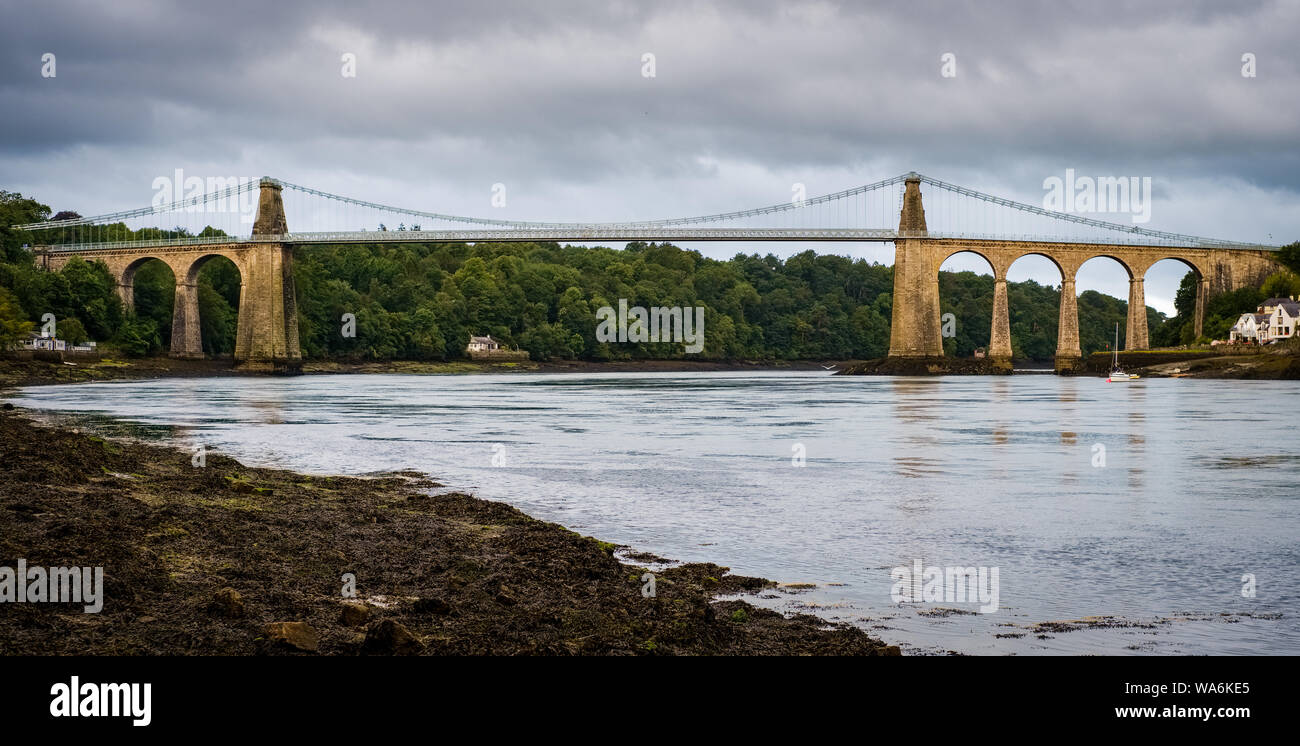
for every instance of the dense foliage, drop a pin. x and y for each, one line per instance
(410, 300)
(1289, 256)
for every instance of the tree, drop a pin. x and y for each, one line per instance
(14, 325)
(217, 321)
(1289, 256)
(547, 341)
(138, 337)
(71, 331)
(1281, 285)
(92, 297)
(15, 209)
(1181, 329)
(155, 291)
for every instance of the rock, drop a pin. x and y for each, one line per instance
(432, 606)
(228, 603)
(392, 638)
(239, 485)
(7, 406)
(354, 615)
(505, 597)
(297, 635)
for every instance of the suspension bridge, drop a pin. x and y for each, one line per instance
(254, 233)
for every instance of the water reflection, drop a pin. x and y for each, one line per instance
(1136, 435)
(265, 411)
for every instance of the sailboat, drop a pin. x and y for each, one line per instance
(1117, 375)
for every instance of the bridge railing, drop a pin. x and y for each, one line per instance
(153, 243)
(1116, 240)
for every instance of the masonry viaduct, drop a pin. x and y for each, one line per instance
(267, 336)
(915, 329)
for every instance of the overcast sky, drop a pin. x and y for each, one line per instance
(549, 98)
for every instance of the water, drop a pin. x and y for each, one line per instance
(1199, 484)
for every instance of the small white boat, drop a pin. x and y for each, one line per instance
(1117, 375)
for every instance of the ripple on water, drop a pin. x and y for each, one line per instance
(1197, 487)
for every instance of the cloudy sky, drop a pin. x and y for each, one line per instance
(747, 98)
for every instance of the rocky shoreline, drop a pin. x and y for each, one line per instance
(1281, 364)
(928, 366)
(36, 372)
(219, 558)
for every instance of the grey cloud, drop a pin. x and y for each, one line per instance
(549, 96)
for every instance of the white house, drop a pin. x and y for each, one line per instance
(1282, 320)
(482, 344)
(36, 341)
(1247, 328)
(1274, 319)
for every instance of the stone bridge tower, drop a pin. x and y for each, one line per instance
(914, 326)
(267, 336)
(268, 310)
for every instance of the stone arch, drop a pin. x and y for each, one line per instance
(187, 330)
(197, 264)
(1046, 255)
(942, 258)
(1113, 256)
(1188, 261)
(1136, 329)
(125, 273)
(964, 318)
(1062, 322)
(1202, 286)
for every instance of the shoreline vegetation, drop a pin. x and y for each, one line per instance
(1275, 362)
(231, 560)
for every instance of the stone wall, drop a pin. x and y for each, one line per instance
(498, 355)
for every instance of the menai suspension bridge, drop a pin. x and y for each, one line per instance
(185, 233)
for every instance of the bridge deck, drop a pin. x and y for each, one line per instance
(631, 234)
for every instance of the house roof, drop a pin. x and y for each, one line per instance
(481, 340)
